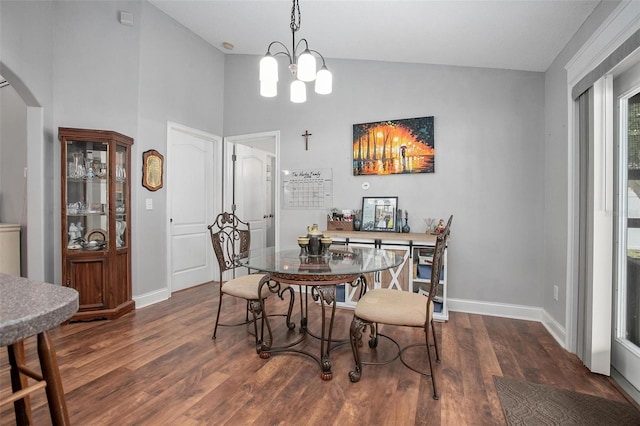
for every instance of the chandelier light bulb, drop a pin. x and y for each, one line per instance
(302, 67)
(268, 68)
(306, 66)
(298, 92)
(324, 81)
(268, 89)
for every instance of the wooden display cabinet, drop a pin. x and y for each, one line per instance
(96, 218)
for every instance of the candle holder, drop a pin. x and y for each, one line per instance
(326, 243)
(303, 242)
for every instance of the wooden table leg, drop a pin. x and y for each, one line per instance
(22, 406)
(51, 374)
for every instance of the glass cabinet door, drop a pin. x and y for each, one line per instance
(121, 200)
(87, 195)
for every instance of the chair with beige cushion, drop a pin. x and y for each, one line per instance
(231, 238)
(399, 308)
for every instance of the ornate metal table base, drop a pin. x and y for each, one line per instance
(323, 290)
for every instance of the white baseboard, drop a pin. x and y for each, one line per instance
(555, 329)
(151, 298)
(530, 313)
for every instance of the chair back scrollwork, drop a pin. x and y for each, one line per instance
(230, 238)
(438, 258)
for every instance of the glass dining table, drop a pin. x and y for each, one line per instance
(316, 276)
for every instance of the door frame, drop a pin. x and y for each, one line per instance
(625, 355)
(621, 24)
(41, 260)
(227, 169)
(216, 185)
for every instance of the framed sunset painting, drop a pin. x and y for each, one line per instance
(394, 147)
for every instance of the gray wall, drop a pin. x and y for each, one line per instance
(103, 75)
(13, 148)
(26, 49)
(181, 80)
(489, 139)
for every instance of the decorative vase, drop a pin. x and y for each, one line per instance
(77, 167)
(406, 227)
(315, 237)
(315, 245)
(313, 230)
(357, 223)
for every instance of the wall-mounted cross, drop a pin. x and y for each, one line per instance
(306, 135)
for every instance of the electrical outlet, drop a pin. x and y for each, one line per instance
(555, 292)
(149, 202)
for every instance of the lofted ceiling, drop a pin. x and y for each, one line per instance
(508, 34)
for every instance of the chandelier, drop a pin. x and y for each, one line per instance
(302, 66)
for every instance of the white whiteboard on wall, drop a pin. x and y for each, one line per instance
(310, 189)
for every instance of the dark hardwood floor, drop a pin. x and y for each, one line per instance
(158, 365)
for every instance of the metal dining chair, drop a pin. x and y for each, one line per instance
(399, 308)
(230, 238)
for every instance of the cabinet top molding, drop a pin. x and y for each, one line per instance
(93, 135)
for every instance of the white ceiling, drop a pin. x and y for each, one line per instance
(508, 34)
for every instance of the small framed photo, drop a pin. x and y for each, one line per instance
(379, 213)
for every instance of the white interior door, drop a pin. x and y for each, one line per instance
(194, 179)
(250, 191)
(251, 182)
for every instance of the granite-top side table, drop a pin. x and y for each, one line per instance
(29, 308)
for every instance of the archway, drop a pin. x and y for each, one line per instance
(37, 265)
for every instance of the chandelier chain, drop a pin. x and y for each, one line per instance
(295, 26)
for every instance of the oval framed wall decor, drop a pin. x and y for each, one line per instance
(152, 165)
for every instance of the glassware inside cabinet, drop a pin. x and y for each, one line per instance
(87, 196)
(121, 196)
